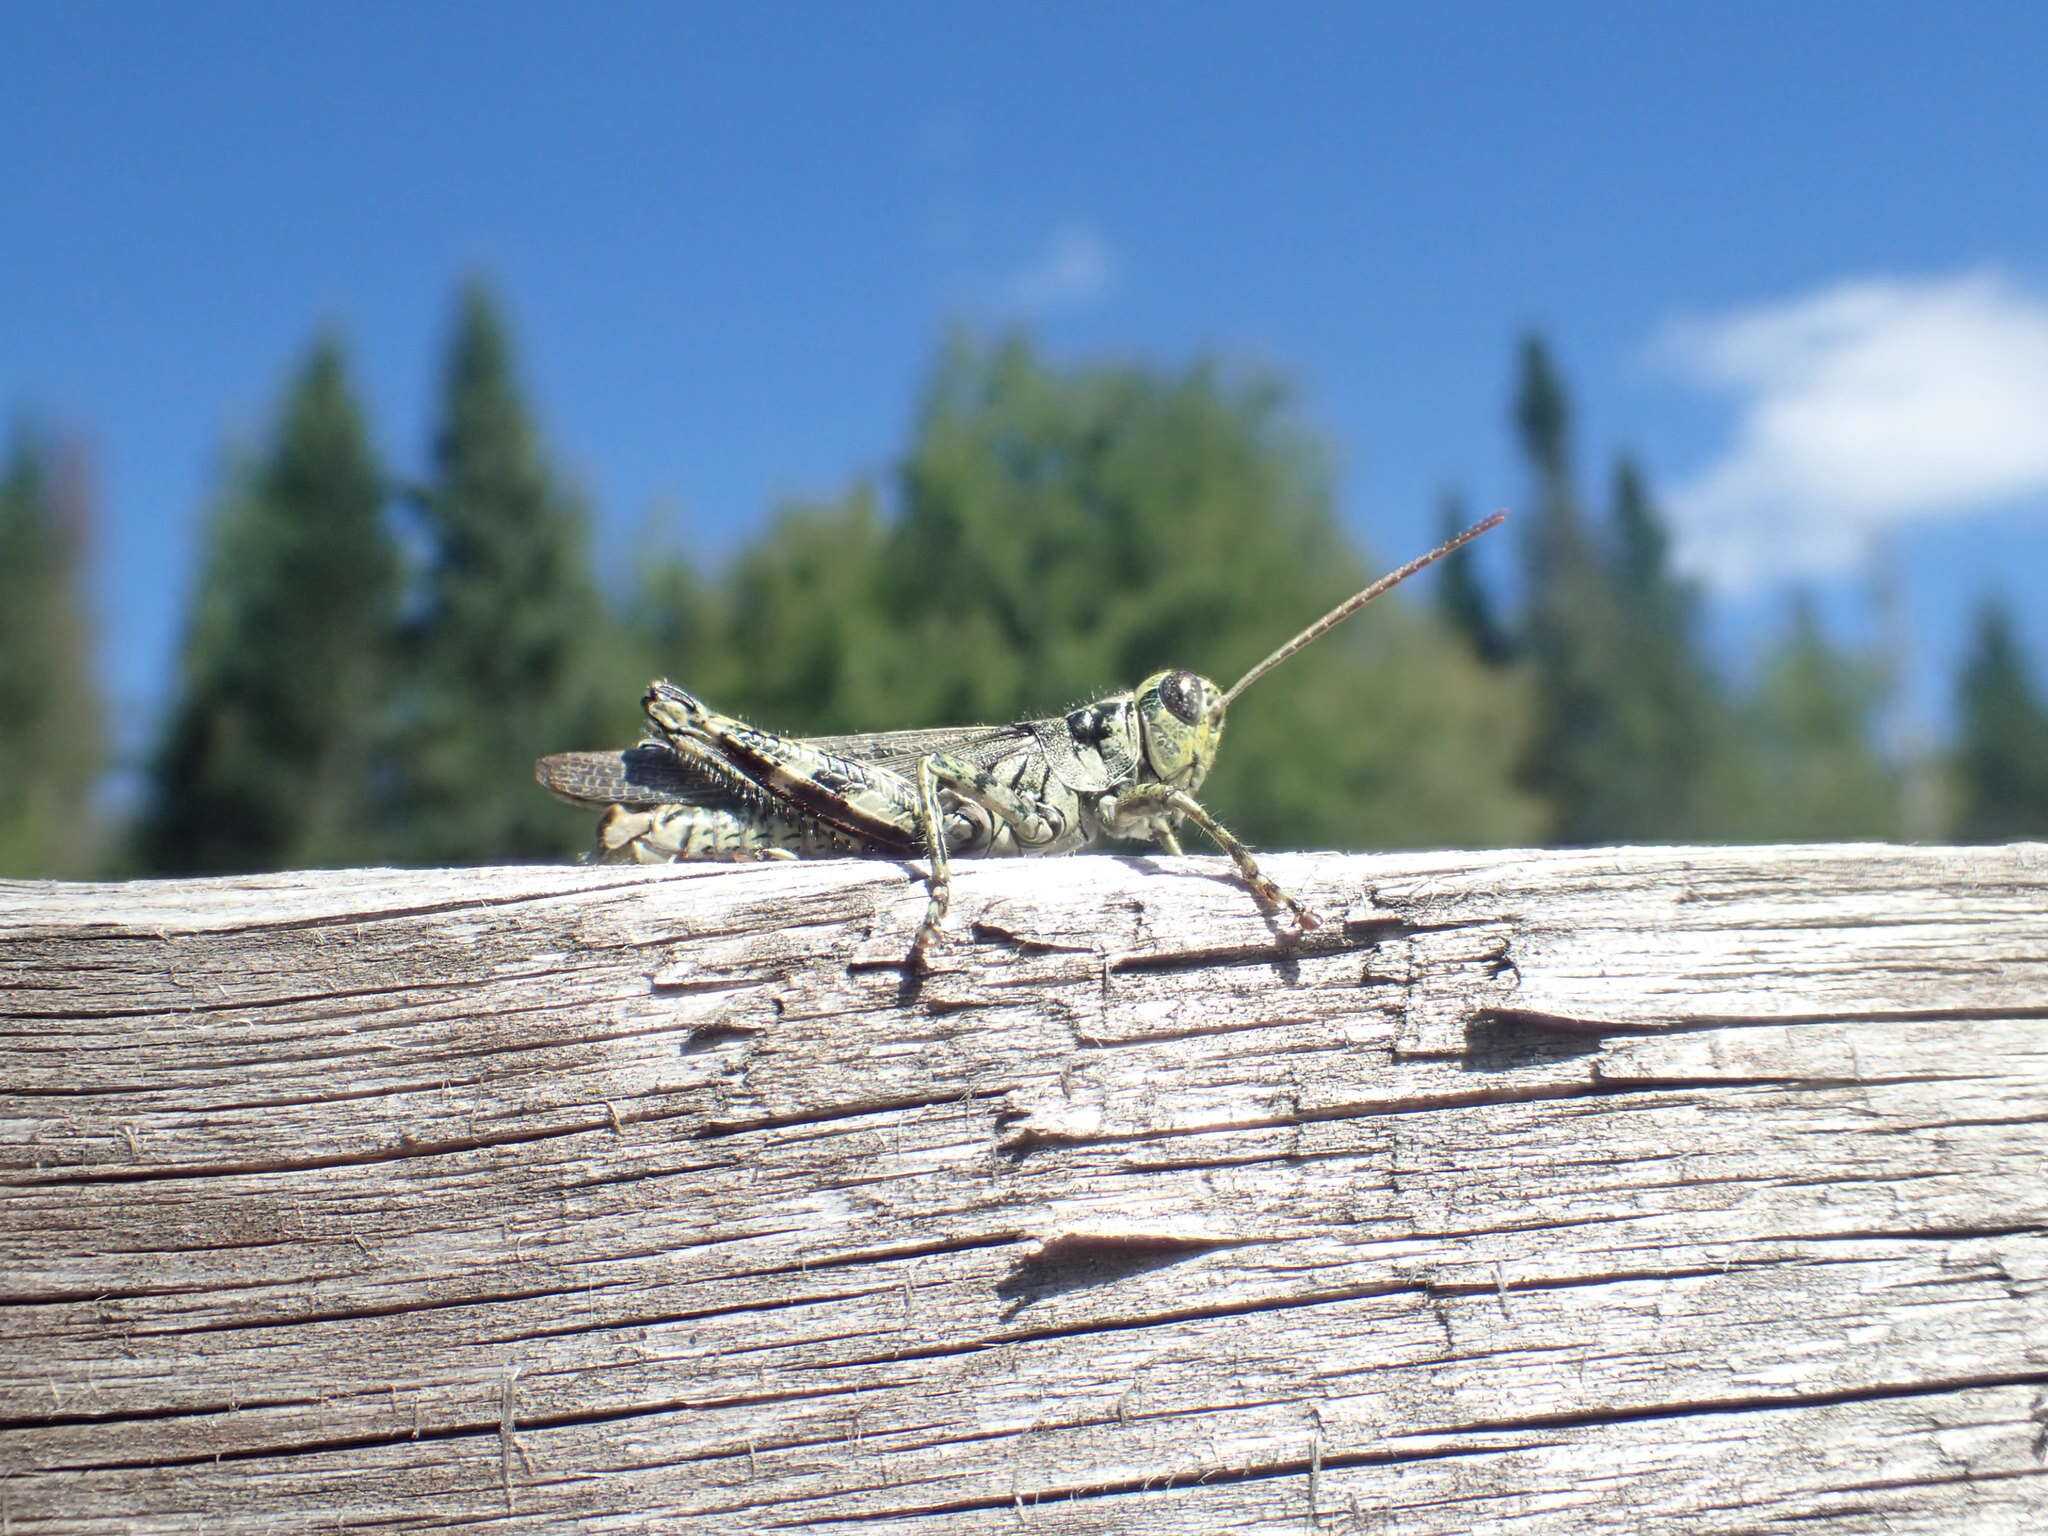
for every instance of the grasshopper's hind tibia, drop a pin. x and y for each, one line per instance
(1137, 812)
(867, 807)
(941, 882)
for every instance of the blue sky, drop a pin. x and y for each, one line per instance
(1796, 257)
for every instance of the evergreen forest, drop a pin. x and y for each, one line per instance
(370, 664)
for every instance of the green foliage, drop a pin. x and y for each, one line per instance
(1101, 523)
(2001, 766)
(1543, 425)
(1641, 552)
(1462, 601)
(268, 760)
(52, 748)
(1670, 720)
(808, 628)
(1631, 726)
(673, 622)
(1810, 772)
(512, 653)
(1578, 759)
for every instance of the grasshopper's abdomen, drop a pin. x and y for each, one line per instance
(667, 834)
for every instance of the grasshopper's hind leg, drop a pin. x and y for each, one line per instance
(931, 822)
(983, 801)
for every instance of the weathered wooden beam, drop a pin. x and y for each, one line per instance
(1623, 1190)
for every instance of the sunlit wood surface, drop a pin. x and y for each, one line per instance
(1642, 1190)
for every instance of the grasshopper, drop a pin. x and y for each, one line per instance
(705, 786)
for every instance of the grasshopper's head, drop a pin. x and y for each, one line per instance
(1180, 724)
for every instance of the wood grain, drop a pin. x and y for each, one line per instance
(1623, 1190)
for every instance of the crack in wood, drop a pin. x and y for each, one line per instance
(1539, 1022)
(859, 1109)
(451, 1147)
(1300, 1467)
(1082, 1261)
(1032, 1140)
(985, 931)
(717, 1037)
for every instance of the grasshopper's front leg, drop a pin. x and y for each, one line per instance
(1127, 813)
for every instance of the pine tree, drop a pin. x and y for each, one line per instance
(1571, 627)
(52, 748)
(1630, 724)
(2002, 754)
(511, 654)
(1642, 549)
(1462, 601)
(269, 759)
(1811, 772)
(1669, 724)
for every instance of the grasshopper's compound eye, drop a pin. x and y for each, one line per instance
(1180, 717)
(1184, 694)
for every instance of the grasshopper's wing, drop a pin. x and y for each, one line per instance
(649, 774)
(901, 751)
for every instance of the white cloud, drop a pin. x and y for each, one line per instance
(1075, 268)
(1866, 405)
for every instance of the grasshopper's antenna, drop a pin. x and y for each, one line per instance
(1351, 605)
